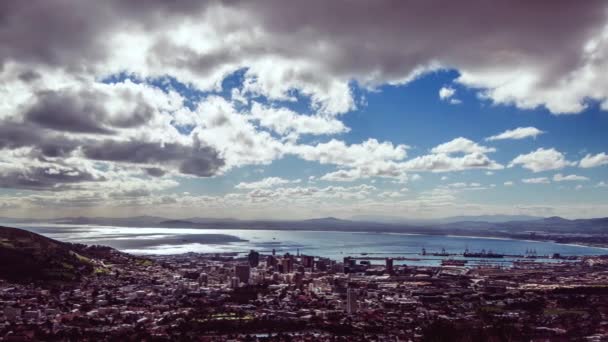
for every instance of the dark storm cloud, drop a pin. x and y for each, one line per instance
(83, 112)
(73, 34)
(195, 160)
(392, 37)
(44, 178)
(154, 171)
(389, 37)
(63, 112)
(15, 135)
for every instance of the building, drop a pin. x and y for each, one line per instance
(308, 261)
(254, 258)
(271, 261)
(287, 264)
(351, 301)
(389, 266)
(242, 272)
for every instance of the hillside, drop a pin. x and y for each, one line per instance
(29, 257)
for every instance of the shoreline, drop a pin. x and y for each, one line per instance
(376, 231)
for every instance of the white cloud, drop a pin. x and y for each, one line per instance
(446, 92)
(538, 180)
(508, 183)
(594, 160)
(447, 163)
(338, 153)
(517, 134)
(461, 145)
(268, 182)
(602, 184)
(285, 121)
(561, 178)
(541, 160)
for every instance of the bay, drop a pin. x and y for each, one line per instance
(330, 244)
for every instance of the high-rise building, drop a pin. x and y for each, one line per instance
(271, 261)
(389, 266)
(242, 272)
(287, 264)
(351, 301)
(203, 279)
(308, 261)
(254, 258)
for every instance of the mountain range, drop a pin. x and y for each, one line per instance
(490, 225)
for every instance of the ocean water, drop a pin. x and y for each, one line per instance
(331, 244)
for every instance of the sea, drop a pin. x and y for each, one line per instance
(406, 248)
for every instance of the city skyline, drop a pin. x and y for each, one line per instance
(312, 109)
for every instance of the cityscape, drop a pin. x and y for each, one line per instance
(284, 297)
(319, 170)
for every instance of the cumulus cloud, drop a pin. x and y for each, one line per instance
(446, 92)
(594, 160)
(461, 145)
(538, 180)
(68, 120)
(517, 134)
(569, 178)
(285, 121)
(337, 152)
(446, 163)
(268, 182)
(502, 57)
(541, 160)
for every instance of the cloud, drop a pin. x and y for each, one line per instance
(508, 183)
(602, 184)
(561, 178)
(447, 163)
(517, 134)
(461, 145)
(594, 160)
(195, 160)
(268, 182)
(44, 178)
(538, 180)
(70, 120)
(368, 153)
(541, 160)
(517, 57)
(446, 93)
(284, 121)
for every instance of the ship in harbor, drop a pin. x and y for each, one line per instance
(482, 254)
(453, 262)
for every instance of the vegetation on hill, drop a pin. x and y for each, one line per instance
(30, 257)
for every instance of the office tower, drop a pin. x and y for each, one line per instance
(351, 301)
(389, 266)
(242, 272)
(254, 258)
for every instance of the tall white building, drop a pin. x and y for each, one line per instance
(351, 301)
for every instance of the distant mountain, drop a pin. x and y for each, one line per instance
(487, 225)
(27, 256)
(489, 218)
(135, 221)
(480, 218)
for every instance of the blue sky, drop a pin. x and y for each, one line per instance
(228, 110)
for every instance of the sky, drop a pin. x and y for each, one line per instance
(290, 110)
